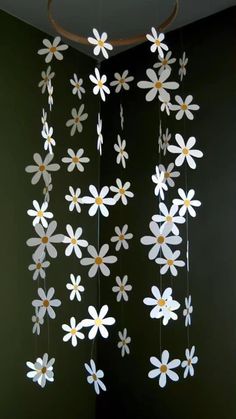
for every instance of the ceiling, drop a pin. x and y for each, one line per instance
(120, 19)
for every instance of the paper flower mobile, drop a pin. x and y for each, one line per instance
(156, 40)
(183, 62)
(47, 133)
(121, 237)
(78, 89)
(164, 305)
(188, 310)
(98, 200)
(73, 332)
(185, 151)
(170, 263)
(121, 81)
(98, 322)
(41, 168)
(74, 241)
(39, 266)
(100, 136)
(46, 76)
(121, 288)
(124, 342)
(46, 303)
(100, 86)
(101, 46)
(159, 179)
(163, 368)
(75, 160)
(77, 118)
(42, 370)
(157, 85)
(98, 260)
(122, 155)
(164, 62)
(186, 202)
(52, 49)
(74, 287)
(122, 191)
(169, 217)
(189, 362)
(184, 107)
(45, 240)
(74, 199)
(95, 376)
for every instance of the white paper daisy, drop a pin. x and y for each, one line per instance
(120, 149)
(77, 118)
(101, 46)
(40, 213)
(121, 117)
(189, 362)
(100, 136)
(73, 332)
(164, 305)
(46, 76)
(122, 191)
(169, 174)
(163, 368)
(169, 217)
(45, 240)
(156, 40)
(121, 81)
(182, 63)
(52, 49)
(47, 188)
(124, 342)
(188, 310)
(74, 242)
(74, 287)
(100, 86)
(98, 322)
(41, 370)
(121, 237)
(184, 107)
(78, 89)
(50, 94)
(165, 103)
(46, 303)
(166, 137)
(37, 322)
(160, 181)
(98, 200)
(47, 133)
(164, 62)
(95, 376)
(185, 151)
(74, 199)
(98, 260)
(39, 267)
(42, 168)
(121, 288)
(157, 85)
(75, 160)
(186, 202)
(160, 240)
(170, 263)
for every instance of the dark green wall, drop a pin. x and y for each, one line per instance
(211, 78)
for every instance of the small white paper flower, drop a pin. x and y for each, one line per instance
(100, 43)
(95, 376)
(74, 199)
(157, 43)
(122, 191)
(47, 133)
(98, 322)
(99, 260)
(37, 322)
(121, 237)
(159, 179)
(40, 213)
(46, 76)
(47, 188)
(100, 86)
(75, 287)
(100, 136)
(98, 200)
(170, 263)
(77, 118)
(41, 168)
(74, 242)
(45, 240)
(188, 310)
(120, 149)
(164, 368)
(169, 217)
(50, 94)
(44, 117)
(189, 362)
(184, 107)
(166, 137)
(73, 332)
(124, 342)
(164, 62)
(52, 49)
(185, 151)
(164, 305)
(78, 89)
(183, 62)
(38, 267)
(75, 160)
(46, 303)
(165, 103)
(42, 370)
(122, 288)
(157, 85)
(121, 117)
(160, 240)
(186, 202)
(122, 81)
(169, 174)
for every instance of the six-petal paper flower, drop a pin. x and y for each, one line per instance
(74, 242)
(165, 140)
(160, 240)
(46, 76)
(38, 266)
(52, 49)
(75, 287)
(100, 86)
(185, 151)
(95, 376)
(121, 191)
(169, 174)
(47, 188)
(42, 370)
(77, 118)
(121, 237)
(120, 149)
(164, 62)
(121, 288)
(98, 322)
(50, 94)
(98, 200)
(74, 199)
(124, 342)
(42, 168)
(45, 240)
(159, 179)
(99, 260)
(157, 85)
(73, 332)
(75, 160)
(164, 305)
(37, 321)
(40, 213)
(169, 217)
(189, 362)
(186, 202)
(47, 133)
(122, 81)
(46, 304)
(100, 136)
(165, 103)
(100, 43)
(184, 107)
(183, 62)
(157, 43)
(78, 89)
(170, 263)
(163, 368)
(188, 310)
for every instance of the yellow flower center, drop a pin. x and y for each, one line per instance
(94, 377)
(187, 202)
(73, 331)
(77, 120)
(185, 151)
(170, 262)
(98, 322)
(53, 49)
(75, 199)
(189, 362)
(161, 302)
(158, 85)
(100, 84)
(98, 260)
(122, 191)
(40, 213)
(184, 107)
(169, 218)
(160, 239)
(75, 159)
(44, 370)
(74, 241)
(121, 237)
(45, 303)
(38, 266)
(167, 175)
(121, 81)
(49, 139)
(100, 43)
(98, 200)
(163, 369)
(42, 168)
(77, 85)
(44, 239)
(165, 61)
(158, 42)
(122, 288)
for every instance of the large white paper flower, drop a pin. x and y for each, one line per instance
(98, 200)
(186, 202)
(100, 43)
(95, 376)
(124, 342)
(37, 322)
(40, 213)
(50, 94)
(98, 322)
(185, 151)
(159, 180)
(100, 136)
(47, 188)
(38, 266)
(188, 310)
(166, 137)
(160, 240)
(46, 76)
(74, 242)
(75, 287)
(42, 167)
(164, 368)
(42, 370)
(122, 191)
(78, 89)
(164, 305)
(183, 62)
(157, 85)
(169, 217)
(184, 107)
(100, 86)
(73, 332)
(99, 260)
(47, 133)
(169, 174)
(120, 149)
(74, 199)
(121, 237)
(45, 240)
(75, 160)
(170, 263)
(52, 49)
(164, 62)
(121, 288)
(77, 118)
(189, 362)
(46, 303)
(121, 81)
(157, 43)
